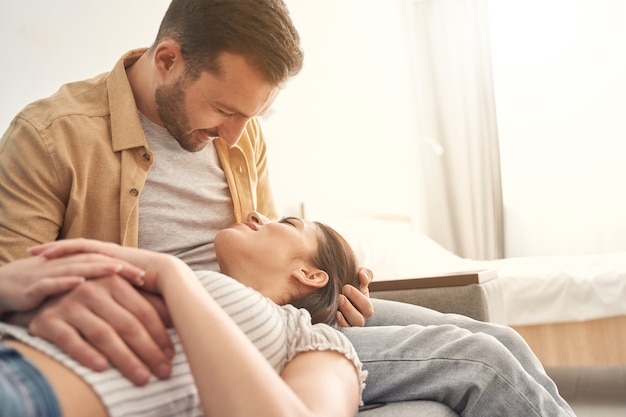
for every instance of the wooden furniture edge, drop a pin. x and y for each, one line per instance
(448, 279)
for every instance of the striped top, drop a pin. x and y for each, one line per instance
(279, 332)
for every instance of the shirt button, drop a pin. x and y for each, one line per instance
(146, 157)
(134, 192)
(240, 169)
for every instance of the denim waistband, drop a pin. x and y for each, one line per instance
(24, 391)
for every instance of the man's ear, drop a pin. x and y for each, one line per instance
(314, 277)
(168, 58)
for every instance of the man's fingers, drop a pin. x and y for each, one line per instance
(355, 306)
(366, 276)
(139, 332)
(359, 300)
(49, 326)
(159, 306)
(104, 318)
(151, 313)
(351, 315)
(341, 320)
(107, 340)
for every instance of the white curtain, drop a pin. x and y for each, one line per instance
(457, 123)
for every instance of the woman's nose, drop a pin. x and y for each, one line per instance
(258, 218)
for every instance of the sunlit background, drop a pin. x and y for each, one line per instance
(345, 133)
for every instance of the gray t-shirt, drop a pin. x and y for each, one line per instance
(185, 201)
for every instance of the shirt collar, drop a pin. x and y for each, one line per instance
(126, 129)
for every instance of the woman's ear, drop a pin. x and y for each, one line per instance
(311, 277)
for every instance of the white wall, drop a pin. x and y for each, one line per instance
(346, 120)
(48, 43)
(340, 133)
(560, 83)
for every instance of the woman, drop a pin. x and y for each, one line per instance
(285, 365)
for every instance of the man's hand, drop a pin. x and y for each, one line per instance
(109, 318)
(355, 306)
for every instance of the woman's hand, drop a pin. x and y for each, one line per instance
(57, 249)
(140, 258)
(149, 261)
(355, 306)
(26, 283)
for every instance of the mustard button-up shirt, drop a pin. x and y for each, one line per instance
(74, 164)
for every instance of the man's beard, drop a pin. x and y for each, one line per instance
(170, 104)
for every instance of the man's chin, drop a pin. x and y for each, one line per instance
(193, 145)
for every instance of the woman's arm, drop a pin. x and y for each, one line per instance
(325, 382)
(232, 376)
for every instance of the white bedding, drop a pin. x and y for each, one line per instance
(536, 290)
(554, 289)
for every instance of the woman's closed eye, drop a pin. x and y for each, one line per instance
(290, 221)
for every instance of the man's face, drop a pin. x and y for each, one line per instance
(196, 112)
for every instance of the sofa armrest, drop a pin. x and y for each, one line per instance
(476, 294)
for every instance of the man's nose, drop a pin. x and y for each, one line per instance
(231, 130)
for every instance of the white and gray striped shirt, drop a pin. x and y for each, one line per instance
(279, 332)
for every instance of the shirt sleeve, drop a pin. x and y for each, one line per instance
(31, 201)
(305, 337)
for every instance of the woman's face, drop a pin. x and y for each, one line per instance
(259, 253)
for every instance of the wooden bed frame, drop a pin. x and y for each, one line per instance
(598, 342)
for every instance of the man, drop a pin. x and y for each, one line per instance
(164, 151)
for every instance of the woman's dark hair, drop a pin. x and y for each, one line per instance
(259, 30)
(336, 257)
